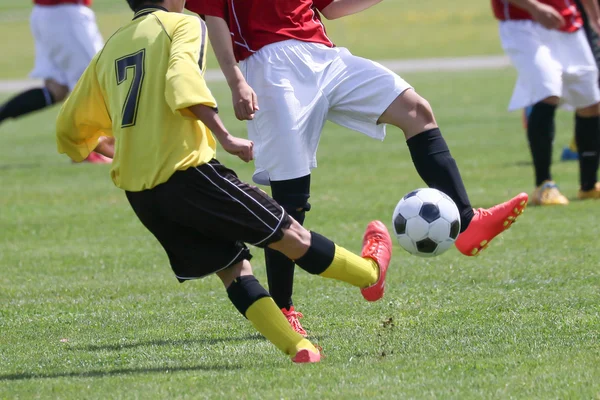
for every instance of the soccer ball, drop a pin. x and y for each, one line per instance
(426, 222)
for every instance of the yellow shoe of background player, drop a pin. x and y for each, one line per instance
(590, 194)
(547, 194)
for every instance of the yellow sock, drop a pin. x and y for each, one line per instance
(348, 267)
(268, 319)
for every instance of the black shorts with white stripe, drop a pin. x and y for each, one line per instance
(203, 217)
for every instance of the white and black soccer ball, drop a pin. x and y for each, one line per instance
(426, 222)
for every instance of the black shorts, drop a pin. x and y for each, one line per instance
(203, 217)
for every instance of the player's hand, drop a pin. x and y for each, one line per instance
(106, 146)
(547, 16)
(242, 148)
(245, 103)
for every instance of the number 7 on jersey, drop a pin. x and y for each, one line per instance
(134, 61)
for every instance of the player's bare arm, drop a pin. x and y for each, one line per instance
(242, 148)
(544, 14)
(342, 8)
(245, 103)
(593, 11)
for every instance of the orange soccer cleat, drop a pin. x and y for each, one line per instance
(304, 356)
(377, 245)
(489, 223)
(293, 318)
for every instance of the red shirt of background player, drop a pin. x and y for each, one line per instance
(58, 2)
(257, 23)
(504, 11)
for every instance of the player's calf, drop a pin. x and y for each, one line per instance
(318, 255)
(254, 302)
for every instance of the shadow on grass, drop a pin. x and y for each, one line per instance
(518, 163)
(123, 371)
(178, 342)
(152, 343)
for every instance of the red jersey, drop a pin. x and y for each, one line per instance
(58, 2)
(504, 11)
(257, 23)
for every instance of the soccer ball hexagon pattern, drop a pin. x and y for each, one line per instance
(426, 222)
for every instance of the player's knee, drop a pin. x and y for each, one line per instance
(293, 196)
(295, 241)
(228, 275)
(57, 91)
(551, 100)
(421, 111)
(589, 111)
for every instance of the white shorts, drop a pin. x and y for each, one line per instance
(299, 86)
(550, 63)
(66, 39)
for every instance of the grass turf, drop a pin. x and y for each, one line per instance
(390, 30)
(90, 309)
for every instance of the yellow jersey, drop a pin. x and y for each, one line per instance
(138, 89)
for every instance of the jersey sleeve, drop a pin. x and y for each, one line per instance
(321, 4)
(83, 118)
(214, 8)
(185, 84)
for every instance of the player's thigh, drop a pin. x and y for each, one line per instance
(211, 199)
(191, 253)
(77, 42)
(581, 73)
(360, 91)
(42, 29)
(287, 127)
(530, 49)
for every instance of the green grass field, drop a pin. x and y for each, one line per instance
(392, 29)
(90, 309)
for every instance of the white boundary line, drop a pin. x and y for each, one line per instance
(399, 66)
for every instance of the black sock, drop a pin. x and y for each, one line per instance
(540, 133)
(292, 195)
(244, 291)
(26, 102)
(319, 256)
(587, 137)
(437, 168)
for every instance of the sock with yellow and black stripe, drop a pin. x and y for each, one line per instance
(254, 302)
(329, 260)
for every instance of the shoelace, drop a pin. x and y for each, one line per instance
(373, 244)
(292, 317)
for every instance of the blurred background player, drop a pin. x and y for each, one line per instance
(547, 46)
(66, 39)
(569, 153)
(146, 89)
(294, 79)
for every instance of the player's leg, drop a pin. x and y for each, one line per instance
(436, 166)
(179, 213)
(33, 100)
(582, 92)
(534, 53)
(293, 196)
(587, 137)
(254, 303)
(368, 105)
(55, 88)
(285, 132)
(319, 255)
(540, 134)
(248, 214)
